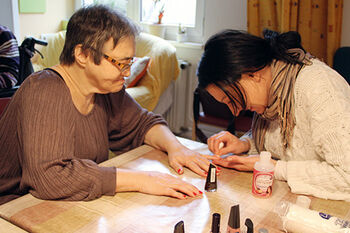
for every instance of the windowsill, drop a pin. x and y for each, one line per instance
(191, 45)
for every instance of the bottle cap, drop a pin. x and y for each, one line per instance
(179, 227)
(234, 219)
(211, 181)
(303, 201)
(265, 156)
(215, 226)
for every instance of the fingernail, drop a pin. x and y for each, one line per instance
(195, 194)
(200, 192)
(218, 168)
(178, 171)
(185, 196)
(206, 173)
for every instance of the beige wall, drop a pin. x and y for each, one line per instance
(50, 21)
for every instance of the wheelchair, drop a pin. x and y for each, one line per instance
(26, 52)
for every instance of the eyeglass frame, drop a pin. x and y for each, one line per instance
(121, 66)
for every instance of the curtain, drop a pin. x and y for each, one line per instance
(318, 22)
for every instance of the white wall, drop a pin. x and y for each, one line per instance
(224, 14)
(9, 16)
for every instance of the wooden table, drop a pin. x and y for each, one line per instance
(137, 212)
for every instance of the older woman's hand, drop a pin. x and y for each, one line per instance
(155, 183)
(229, 142)
(158, 183)
(184, 157)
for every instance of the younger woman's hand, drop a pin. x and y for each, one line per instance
(240, 163)
(229, 142)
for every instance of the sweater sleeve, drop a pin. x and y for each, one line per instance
(50, 168)
(249, 137)
(129, 122)
(325, 99)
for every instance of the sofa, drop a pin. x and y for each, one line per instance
(161, 72)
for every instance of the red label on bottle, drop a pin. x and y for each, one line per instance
(262, 183)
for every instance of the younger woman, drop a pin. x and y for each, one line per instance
(302, 109)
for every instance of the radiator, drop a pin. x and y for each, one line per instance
(179, 116)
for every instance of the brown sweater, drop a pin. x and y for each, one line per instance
(48, 148)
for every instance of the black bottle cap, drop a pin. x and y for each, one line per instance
(210, 184)
(250, 225)
(215, 225)
(234, 220)
(179, 227)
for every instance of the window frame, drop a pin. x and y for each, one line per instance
(194, 34)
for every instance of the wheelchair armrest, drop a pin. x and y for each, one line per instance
(8, 92)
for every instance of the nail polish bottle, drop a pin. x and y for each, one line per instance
(210, 184)
(215, 225)
(234, 222)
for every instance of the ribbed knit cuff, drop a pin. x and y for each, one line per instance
(281, 170)
(252, 149)
(109, 178)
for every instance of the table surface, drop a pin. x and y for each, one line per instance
(137, 212)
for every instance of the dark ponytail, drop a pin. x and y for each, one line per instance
(281, 43)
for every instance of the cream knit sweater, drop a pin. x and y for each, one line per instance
(318, 160)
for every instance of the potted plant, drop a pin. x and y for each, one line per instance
(181, 35)
(157, 28)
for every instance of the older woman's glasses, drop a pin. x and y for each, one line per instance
(121, 66)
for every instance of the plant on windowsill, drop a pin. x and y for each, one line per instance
(181, 35)
(157, 28)
(160, 15)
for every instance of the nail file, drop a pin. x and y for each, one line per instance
(221, 145)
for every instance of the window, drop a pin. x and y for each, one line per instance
(188, 14)
(121, 5)
(170, 12)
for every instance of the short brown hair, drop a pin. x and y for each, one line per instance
(92, 27)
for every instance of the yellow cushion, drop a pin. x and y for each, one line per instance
(52, 51)
(162, 70)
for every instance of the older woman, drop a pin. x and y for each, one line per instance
(62, 121)
(302, 109)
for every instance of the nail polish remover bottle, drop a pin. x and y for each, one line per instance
(263, 176)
